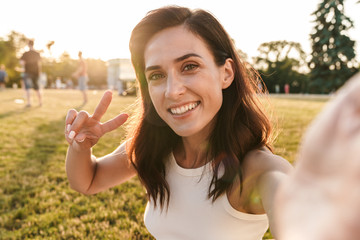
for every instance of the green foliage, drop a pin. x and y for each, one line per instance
(97, 71)
(333, 53)
(9, 49)
(12, 47)
(280, 63)
(36, 201)
(64, 67)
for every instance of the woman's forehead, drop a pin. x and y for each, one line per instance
(172, 43)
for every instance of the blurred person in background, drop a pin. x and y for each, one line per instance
(81, 75)
(3, 76)
(31, 62)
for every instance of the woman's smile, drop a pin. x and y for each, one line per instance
(184, 108)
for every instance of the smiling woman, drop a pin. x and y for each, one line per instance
(201, 143)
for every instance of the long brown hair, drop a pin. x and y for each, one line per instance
(241, 125)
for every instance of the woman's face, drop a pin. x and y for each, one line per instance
(185, 84)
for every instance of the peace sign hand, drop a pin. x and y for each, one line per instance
(85, 130)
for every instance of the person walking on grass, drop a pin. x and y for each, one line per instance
(81, 75)
(31, 62)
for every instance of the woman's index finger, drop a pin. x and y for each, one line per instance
(102, 106)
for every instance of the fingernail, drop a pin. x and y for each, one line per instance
(68, 127)
(71, 135)
(80, 140)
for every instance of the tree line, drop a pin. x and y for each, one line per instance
(331, 62)
(13, 46)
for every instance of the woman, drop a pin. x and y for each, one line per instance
(202, 143)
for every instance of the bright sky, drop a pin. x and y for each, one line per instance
(101, 29)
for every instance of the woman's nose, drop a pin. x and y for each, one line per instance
(174, 86)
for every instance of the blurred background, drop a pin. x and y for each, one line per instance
(304, 51)
(293, 43)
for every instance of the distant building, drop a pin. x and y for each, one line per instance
(121, 76)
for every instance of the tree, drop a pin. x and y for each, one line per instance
(9, 50)
(280, 63)
(97, 71)
(333, 54)
(62, 67)
(49, 45)
(65, 66)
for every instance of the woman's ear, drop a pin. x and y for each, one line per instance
(228, 76)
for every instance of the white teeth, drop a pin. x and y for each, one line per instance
(183, 109)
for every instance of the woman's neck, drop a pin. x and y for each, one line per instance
(192, 154)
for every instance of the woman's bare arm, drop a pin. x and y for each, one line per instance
(320, 200)
(87, 174)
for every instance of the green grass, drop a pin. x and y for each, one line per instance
(35, 199)
(292, 116)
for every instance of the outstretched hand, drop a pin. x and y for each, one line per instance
(321, 200)
(86, 130)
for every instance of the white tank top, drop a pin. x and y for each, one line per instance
(192, 216)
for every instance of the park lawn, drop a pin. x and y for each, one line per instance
(291, 117)
(35, 199)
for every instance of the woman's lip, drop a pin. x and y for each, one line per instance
(183, 108)
(181, 104)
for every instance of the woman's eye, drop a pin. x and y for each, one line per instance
(155, 76)
(189, 67)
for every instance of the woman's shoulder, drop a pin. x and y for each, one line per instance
(262, 171)
(262, 160)
(255, 168)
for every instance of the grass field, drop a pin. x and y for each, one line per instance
(35, 199)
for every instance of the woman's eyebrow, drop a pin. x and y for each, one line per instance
(150, 68)
(179, 59)
(187, 56)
